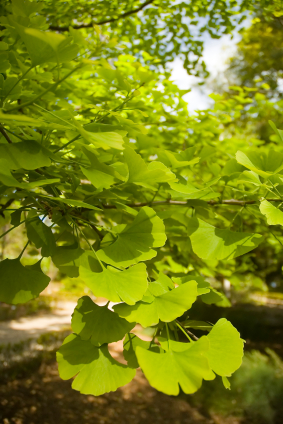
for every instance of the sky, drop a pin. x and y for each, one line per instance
(216, 54)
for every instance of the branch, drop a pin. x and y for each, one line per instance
(107, 21)
(3, 132)
(5, 206)
(231, 202)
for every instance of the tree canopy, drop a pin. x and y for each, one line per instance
(118, 184)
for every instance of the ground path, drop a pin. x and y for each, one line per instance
(25, 328)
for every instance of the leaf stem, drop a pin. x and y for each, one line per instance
(18, 81)
(185, 331)
(168, 337)
(3, 132)
(53, 86)
(22, 252)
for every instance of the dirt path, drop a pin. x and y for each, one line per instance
(25, 328)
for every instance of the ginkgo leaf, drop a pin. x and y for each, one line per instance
(249, 177)
(209, 242)
(25, 7)
(99, 174)
(263, 164)
(128, 286)
(273, 215)
(98, 323)
(105, 140)
(20, 284)
(167, 371)
(165, 307)
(186, 190)
(134, 243)
(98, 372)
(46, 46)
(162, 285)
(178, 160)
(225, 348)
(212, 297)
(203, 286)
(68, 259)
(131, 342)
(25, 154)
(39, 234)
(144, 174)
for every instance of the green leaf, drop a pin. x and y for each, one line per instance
(134, 243)
(145, 175)
(25, 154)
(97, 323)
(226, 348)
(275, 129)
(25, 7)
(131, 342)
(212, 297)
(105, 140)
(161, 286)
(98, 372)
(264, 164)
(20, 284)
(273, 215)
(45, 46)
(167, 371)
(203, 286)
(209, 242)
(68, 259)
(186, 190)
(99, 174)
(41, 235)
(165, 307)
(128, 286)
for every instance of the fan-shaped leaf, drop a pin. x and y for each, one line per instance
(25, 154)
(166, 307)
(98, 323)
(20, 284)
(167, 371)
(225, 348)
(209, 242)
(128, 286)
(46, 46)
(263, 164)
(98, 372)
(146, 175)
(41, 235)
(134, 243)
(273, 215)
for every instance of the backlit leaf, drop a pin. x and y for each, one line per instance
(135, 242)
(97, 372)
(98, 323)
(20, 284)
(209, 242)
(169, 371)
(273, 215)
(165, 307)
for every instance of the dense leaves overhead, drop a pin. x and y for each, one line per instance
(118, 185)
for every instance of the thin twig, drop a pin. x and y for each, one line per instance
(3, 132)
(106, 21)
(231, 202)
(185, 330)
(5, 206)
